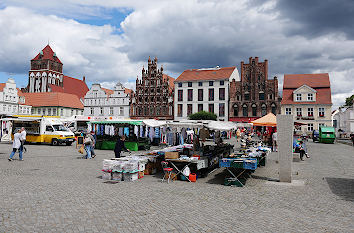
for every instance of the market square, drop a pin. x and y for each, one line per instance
(52, 190)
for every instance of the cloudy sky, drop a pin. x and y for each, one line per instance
(109, 41)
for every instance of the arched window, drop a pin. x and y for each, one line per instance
(235, 110)
(264, 110)
(274, 109)
(245, 110)
(254, 110)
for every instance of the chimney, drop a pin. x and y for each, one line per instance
(84, 79)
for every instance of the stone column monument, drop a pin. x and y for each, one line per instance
(285, 125)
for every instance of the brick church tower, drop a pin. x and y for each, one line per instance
(255, 95)
(46, 70)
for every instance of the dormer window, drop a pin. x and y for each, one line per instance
(310, 97)
(298, 97)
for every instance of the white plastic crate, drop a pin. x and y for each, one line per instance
(106, 175)
(107, 164)
(130, 176)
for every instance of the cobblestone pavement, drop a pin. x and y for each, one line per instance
(54, 191)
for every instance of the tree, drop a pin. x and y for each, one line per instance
(203, 115)
(349, 101)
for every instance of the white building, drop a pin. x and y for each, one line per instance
(12, 102)
(344, 121)
(104, 102)
(308, 98)
(204, 90)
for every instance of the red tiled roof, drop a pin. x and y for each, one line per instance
(170, 81)
(71, 86)
(206, 74)
(108, 91)
(19, 92)
(311, 80)
(2, 85)
(319, 82)
(53, 99)
(47, 55)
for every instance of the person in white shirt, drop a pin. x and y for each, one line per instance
(16, 145)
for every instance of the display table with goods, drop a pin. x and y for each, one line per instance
(239, 165)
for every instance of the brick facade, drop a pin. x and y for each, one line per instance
(255, 95)
(153, 98)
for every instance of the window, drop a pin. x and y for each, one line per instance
(222, 83)
(211, 83)
(261, 96)
(200, 84)
(247, 96)
(91, 111)
(263, 110)
(320, 125)
(310, 97)
(245, 110)
(189, 109)
(287, 111)
(179, 110)
(121, 111)
(54, 111)
(310, 112)
(111, 111)
(211, 108)
(49, 111)
(310, 127)
(238, 97)
(222, 94)
(62, 112)
(32, 111)
(200, 107)
(101, 111)
(221, 110)
(321, 112)
(179, 84)
(190, 94)
(49, 128)
(200, 94)
(298, 111)
(189, 84)
(211, 94)
(180, 95)
(270, 96)
(274, 109)
(72, 112)
(254, 110)
(298, 97)
(235, 110)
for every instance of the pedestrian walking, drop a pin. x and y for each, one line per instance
(89, 143)
(16, 145)
(23, 139)
(352, 137)
(120, 146)
(274, 140)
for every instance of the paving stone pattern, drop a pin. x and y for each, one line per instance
(54, 191)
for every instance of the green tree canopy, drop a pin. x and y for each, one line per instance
(349, 101)
(203, 115)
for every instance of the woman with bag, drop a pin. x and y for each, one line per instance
(88, 143)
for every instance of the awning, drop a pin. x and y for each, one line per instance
(154, 123)
(222, 125)
(123, 122)
(268, 120)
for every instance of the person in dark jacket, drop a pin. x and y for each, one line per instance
(120, 146)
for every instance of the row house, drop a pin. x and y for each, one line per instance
(343, 121)
(203, 90)
(12, 101)
(153, 98)
(308, 98)
(100, 101)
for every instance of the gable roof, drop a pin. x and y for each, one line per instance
(107, 91)
(319, 82)
(206, 74)
(48, 54)
(171, 81)
(71, 86)
(311, 80)
(128, 91)
(299, 88)
(53, 99)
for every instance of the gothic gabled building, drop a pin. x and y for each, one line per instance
(153, 98)
(255, 95)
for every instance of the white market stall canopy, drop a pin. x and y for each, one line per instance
(222, 125)
(154, 123)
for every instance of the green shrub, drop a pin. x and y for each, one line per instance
(203, 115)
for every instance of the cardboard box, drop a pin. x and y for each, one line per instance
(171, 155)
(150, 169)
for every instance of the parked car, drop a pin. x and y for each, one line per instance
(315, 136)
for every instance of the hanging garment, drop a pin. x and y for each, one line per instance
(126, 131)
(120, 132)
(136, 131)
